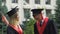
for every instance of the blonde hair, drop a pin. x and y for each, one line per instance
(13, 20)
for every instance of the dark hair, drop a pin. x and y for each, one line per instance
(35, 15)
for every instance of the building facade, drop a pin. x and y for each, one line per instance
(25, 7)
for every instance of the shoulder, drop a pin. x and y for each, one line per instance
(9, 28)
(51, 21)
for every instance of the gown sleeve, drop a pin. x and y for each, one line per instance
(35, 29)
(53, 29)
(10, 30)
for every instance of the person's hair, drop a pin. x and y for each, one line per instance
(13, 20)
(35, 15)
(13, 16)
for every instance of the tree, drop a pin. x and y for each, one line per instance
(57, 15)
(3, 9)
(29, 26)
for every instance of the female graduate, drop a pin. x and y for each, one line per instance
(13, 25)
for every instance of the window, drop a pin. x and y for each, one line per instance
(48, 12)
(27, 13)
(48, 1)
(37, 1)
(14, 1)
(26, 2)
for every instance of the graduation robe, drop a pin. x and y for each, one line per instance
(11, 30)
(49, 29)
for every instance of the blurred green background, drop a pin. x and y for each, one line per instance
(28, 26)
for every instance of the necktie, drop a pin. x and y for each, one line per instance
(40, 23)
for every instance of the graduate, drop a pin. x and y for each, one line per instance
(13, 24)
(43, 25)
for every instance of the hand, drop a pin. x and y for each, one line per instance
(5, 20)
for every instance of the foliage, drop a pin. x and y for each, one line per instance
(3, 9)
(57, 15)
(29, 27)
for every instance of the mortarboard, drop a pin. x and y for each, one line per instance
(12, 12)
(36, 11)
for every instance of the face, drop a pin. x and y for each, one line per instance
(16, 16)
(38, 17)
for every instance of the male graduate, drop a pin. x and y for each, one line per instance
(43, 25)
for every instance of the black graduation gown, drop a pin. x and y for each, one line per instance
(10, 30)
(49, 29)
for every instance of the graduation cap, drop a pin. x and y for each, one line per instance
(36, 11)
(12, 12)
